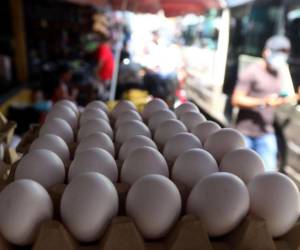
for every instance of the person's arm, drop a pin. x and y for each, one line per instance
(240, 99)
(292, 98)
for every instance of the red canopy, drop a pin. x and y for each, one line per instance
(170, 7)
(181, 7)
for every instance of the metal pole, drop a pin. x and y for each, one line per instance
(114, 81)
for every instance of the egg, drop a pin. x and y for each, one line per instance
(186, 107)
(96, 140)
(275, 198)
(24, 206)
(224, 141)
(65, 113)
(53, 143)
(97, 105)
(192, 166)
(58, 127)
(94, 160)
(69, 104)
(143, 161)
(178, 144)
(130, 129)
(191, 119)
(154, 203)
(156, 104)
(220, 201)
(42, 166)
(205, 129)
(134, 143)
(94, 126)
(127, 116)
(159, 117)
(167, 130)
(122, 106)
(244, 163)
(88, 205)
(91, 113)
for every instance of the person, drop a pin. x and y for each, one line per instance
(105, 61)
(63, 88)
(257, 94)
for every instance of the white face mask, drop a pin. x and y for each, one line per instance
(277, 60)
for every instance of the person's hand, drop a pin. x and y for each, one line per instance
(274, 101)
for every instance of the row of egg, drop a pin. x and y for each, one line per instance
(144, 202)
(132, 133)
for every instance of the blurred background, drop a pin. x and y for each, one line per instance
(180, 51)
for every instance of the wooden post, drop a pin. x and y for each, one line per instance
(19, 41)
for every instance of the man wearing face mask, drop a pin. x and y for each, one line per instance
(257, 94)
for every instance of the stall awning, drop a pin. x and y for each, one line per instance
(170, 7)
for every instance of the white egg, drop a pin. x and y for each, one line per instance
(245, 163)
(143, 161)
(122, 106)
(53, 143)
(94, 160)
(94, 126)
(58, 127)
(24, 206)
(96, 140)
(97, 105)
(191, 119)
(42, 166)
(154, 203)
(224, 141)
(205, 129)
(179, 144)
(130, 129)
(65, 113)
(159, 117)
(275, 198)
(134, 143)
(127, 116)
(192, 166)
(186, 107)
(88, 205)
(153, 106)
(220, 201)
(91, 113)
(70, 104)
(167, 130)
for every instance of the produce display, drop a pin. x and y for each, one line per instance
(160, 179)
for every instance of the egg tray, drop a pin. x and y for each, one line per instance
(28, 138)
(122, 234)
(187, 234)
(7, 130)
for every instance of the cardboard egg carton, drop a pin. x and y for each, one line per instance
(7, 130)
(28, 138)
(187, 234)
(122, 234)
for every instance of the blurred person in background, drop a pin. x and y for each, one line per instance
(105, 63)
(257, 94)
(64, 88)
